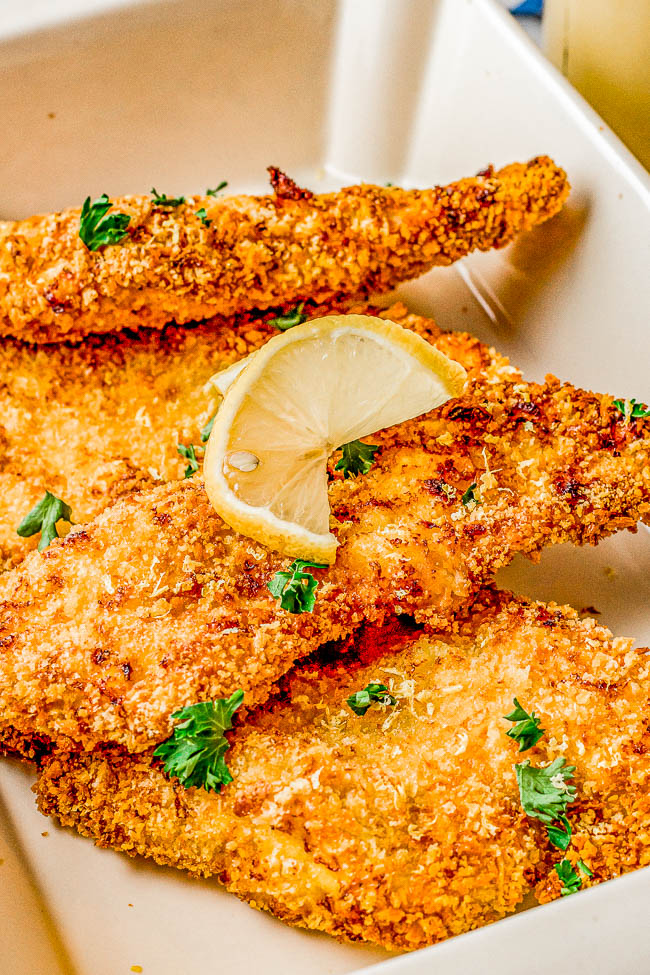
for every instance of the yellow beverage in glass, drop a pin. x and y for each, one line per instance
(603, 48)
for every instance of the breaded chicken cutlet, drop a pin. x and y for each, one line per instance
(97, 421)
(159, 604)
(223, 256)
(404, 825)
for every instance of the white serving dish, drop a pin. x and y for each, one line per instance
(182, 94)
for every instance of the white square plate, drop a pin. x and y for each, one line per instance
(183, 93)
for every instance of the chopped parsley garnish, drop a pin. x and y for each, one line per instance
(560, 836)
(569, 878)
(545, 792)
(203, 217)
(43, 518)
(360, 701)
(295, 317)
(96, 229)
(162, 200)
(195, 752)
(190, 456)
(631, 410)
(207, 429)
(471, 496)
(526, 730)
(221, 186)
(296, 588)
(357, 458)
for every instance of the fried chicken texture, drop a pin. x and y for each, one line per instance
(158, 604)
(403, 826)
(250, 252)
(98, 421)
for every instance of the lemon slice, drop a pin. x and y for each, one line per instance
(306, 392)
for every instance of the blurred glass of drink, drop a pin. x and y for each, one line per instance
(603, 48)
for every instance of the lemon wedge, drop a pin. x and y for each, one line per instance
(306, 392)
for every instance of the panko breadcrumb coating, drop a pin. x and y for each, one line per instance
(97, 421)
(250, 252)
(404, 826)
(158, 604)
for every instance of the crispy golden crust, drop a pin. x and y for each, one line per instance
(611, 835)
(158, 603)
(30, 748)
(403, 826)
(257, 252)
(95, 422)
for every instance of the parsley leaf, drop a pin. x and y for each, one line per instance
(544, 791)
(570, 879)
(295, 588)
(221, 186)
(295, 317)
(560, 836)
(202, 215)
(195, 752)
(43, 518)
(526, 730)
(190, 456)
(207, 429)
(358, 458)
(360, 701)
(631, 410)
(471, 496)
(96, 229)
(162, 200)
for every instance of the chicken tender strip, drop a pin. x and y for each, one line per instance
(404, 826)
(95, 422)
(158, 604)
(251, 252)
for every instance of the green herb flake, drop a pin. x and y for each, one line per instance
(632, 410)
(162, 200)
(560, 836)
(545, 793)
(295, 317)
(96, 229)
(43, 518)
(207, 429)
(190, 456)
(215, 192)
(569, 878)
(526, 730)
(195, 752)
(357, 458)
(360, 701)
(471, 496)
(203, 217)
(296, 588)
